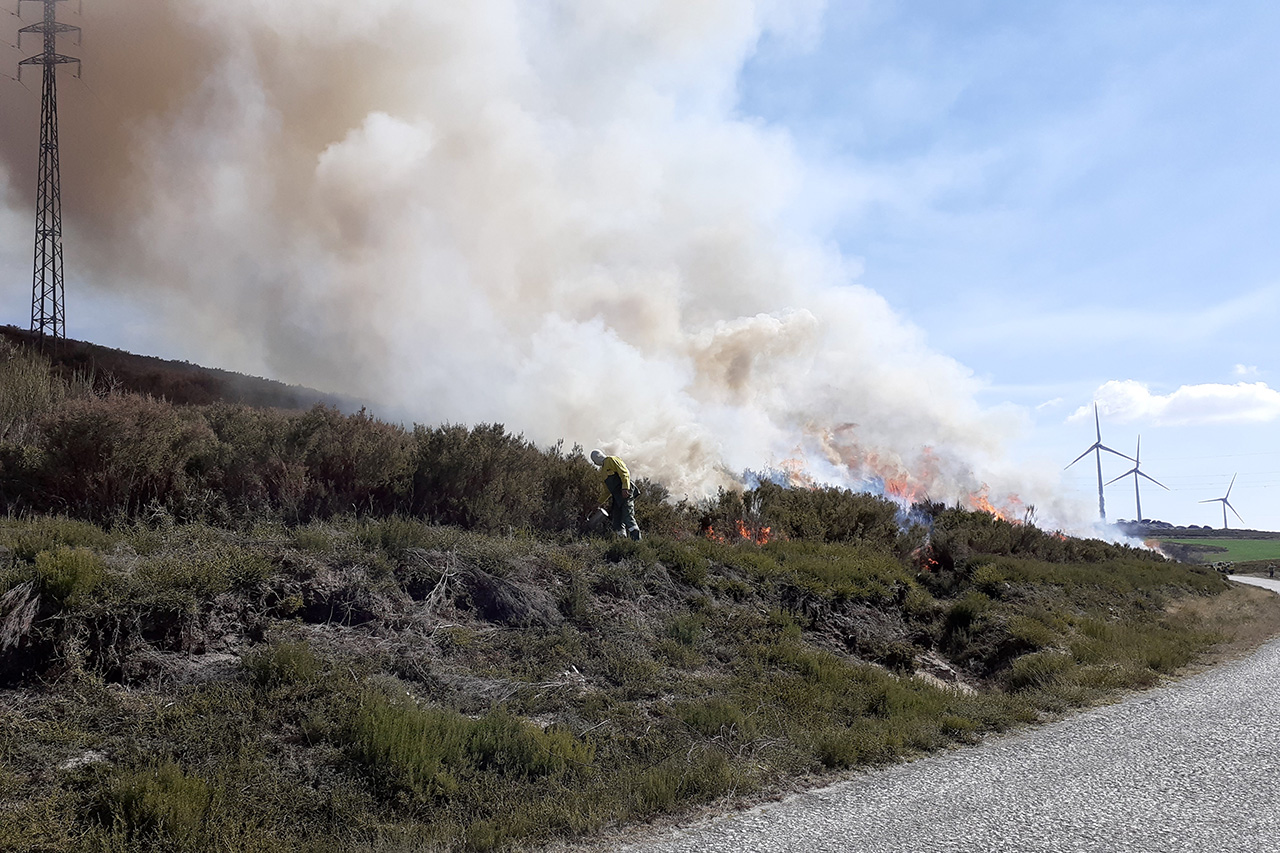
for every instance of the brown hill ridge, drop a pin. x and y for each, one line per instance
(176, 381)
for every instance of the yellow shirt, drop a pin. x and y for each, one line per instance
(614, 465)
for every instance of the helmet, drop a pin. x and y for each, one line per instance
(597, 457)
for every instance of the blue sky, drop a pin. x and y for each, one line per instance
(1064, 195)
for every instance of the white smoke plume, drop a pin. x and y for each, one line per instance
(545, 213)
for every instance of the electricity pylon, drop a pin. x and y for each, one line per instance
(48, 308)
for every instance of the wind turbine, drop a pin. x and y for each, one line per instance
(1226, 503)
(1097, 448)
(1136, 474)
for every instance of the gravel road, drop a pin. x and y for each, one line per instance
(1193, 766)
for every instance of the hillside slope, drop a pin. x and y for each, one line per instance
(240, 629)
(174, 381)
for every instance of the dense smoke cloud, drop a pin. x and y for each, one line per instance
(544, 213)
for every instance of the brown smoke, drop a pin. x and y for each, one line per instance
(540, 212)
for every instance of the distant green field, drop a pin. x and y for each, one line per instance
(1238, 550)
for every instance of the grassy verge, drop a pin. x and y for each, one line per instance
(1238, 550)
(387, 685)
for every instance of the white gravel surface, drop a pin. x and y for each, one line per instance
(1193, 766)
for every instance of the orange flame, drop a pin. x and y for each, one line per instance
(924, 559)
(761, 535)
(797, 476)
(903, 489)
(981, 501)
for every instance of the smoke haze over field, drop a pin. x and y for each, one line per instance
(546, 214)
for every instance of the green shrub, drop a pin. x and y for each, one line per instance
(515, 747)
(486, 479)
(426, 750)
(69, 575)
(704, 775)
(965, 613)
(417, 749)
(829, 514)
(120, 453)
(620, 550)
(160, 806)
(716, 717)
(630, 667)
(1031, 632)
(990, 580)
(394, 535)
(280, 663)
(682, 564)
(28, 391)
(199, 575)
(1038, 670)
(686, 628)
(29, 537)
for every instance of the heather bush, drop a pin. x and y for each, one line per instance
(485, 478)
(429, 752)
(105, 457)
(25, 539)
(69, 575)
(959, 534)
(27, 392)
(829, 514)
(125, 456)
(282, 663)
(160, 808)
(354, 463)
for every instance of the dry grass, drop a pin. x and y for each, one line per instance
(1244, 616)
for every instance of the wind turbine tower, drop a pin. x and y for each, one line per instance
(1225, 503)
(48, 314)
(1097, 448)
(1137, 497)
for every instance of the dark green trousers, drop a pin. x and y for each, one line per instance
(622, 510)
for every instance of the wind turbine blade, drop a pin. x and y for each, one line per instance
(1211, 501)
(1081, 456)
(1116, 452)
(1152, 479)
(1121, 477)
(1233, 510)
(1097, 424)
(1138, 454)
(1233, 482)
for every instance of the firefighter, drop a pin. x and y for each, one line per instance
(622, 496)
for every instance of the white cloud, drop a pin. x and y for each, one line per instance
(1246, 370)
(1127, 400)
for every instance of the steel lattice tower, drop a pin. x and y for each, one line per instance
(48, 315)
